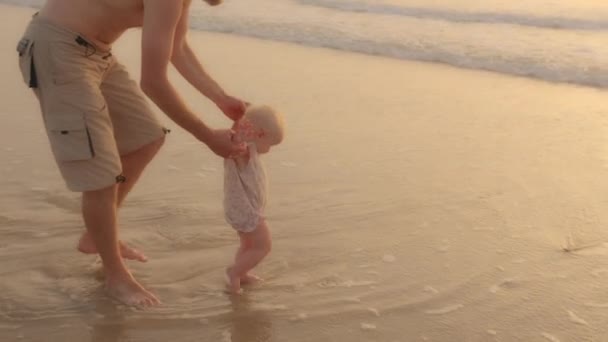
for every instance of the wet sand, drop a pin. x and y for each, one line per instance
(409, 202)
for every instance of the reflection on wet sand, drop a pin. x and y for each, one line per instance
(247, 324)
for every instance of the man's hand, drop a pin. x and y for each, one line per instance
(232, 107)
(221, 142)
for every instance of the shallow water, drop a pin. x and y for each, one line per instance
(409, 202)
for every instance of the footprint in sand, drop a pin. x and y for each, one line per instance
(444, 310)
(431, 289)
(577, 320)
(374, 311)
(368, 326)
(508, 283)
(300, 317)
(550, 337)
(388, 258)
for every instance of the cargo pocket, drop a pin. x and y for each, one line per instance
(26, 62)
(70, 138)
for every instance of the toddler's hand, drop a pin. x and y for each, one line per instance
(222, 144)
(232, 107)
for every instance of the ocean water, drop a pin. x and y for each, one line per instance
(552, 40)
(409, 201)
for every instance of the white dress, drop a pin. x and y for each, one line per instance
(245, 192)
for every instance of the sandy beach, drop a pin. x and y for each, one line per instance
(409, 202)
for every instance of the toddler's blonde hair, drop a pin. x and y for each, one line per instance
(268, 119)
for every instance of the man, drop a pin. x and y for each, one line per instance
(100, 128)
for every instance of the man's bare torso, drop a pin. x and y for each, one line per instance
(102, 21)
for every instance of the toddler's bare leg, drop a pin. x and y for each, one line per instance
(258, 245)
(248, 278)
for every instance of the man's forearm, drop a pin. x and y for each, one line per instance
(190, 68)
(162, 93)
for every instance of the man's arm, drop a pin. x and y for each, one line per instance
(185, 61)
(161, 18)
(189, 66)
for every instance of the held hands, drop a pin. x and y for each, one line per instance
(221, 142)
(232, 107)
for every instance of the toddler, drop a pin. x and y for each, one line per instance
(245, 191)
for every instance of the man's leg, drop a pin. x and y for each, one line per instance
(81, 135)
(99, 212)
(139, 137)
(133, 164)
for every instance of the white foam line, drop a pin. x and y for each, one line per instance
(444, 310)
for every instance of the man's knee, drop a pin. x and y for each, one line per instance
(155, 145)
(161, 141)
(145, 152)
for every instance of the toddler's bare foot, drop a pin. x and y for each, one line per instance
(233, 281)
(127, 290)
(249, 279)
(87, 246)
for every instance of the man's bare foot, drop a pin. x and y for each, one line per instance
(87, 246)
(128, 291)
(249, 279)
(233, 282)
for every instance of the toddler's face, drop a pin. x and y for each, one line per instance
(247, 132)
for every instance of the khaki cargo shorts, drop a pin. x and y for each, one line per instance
(93, 112)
